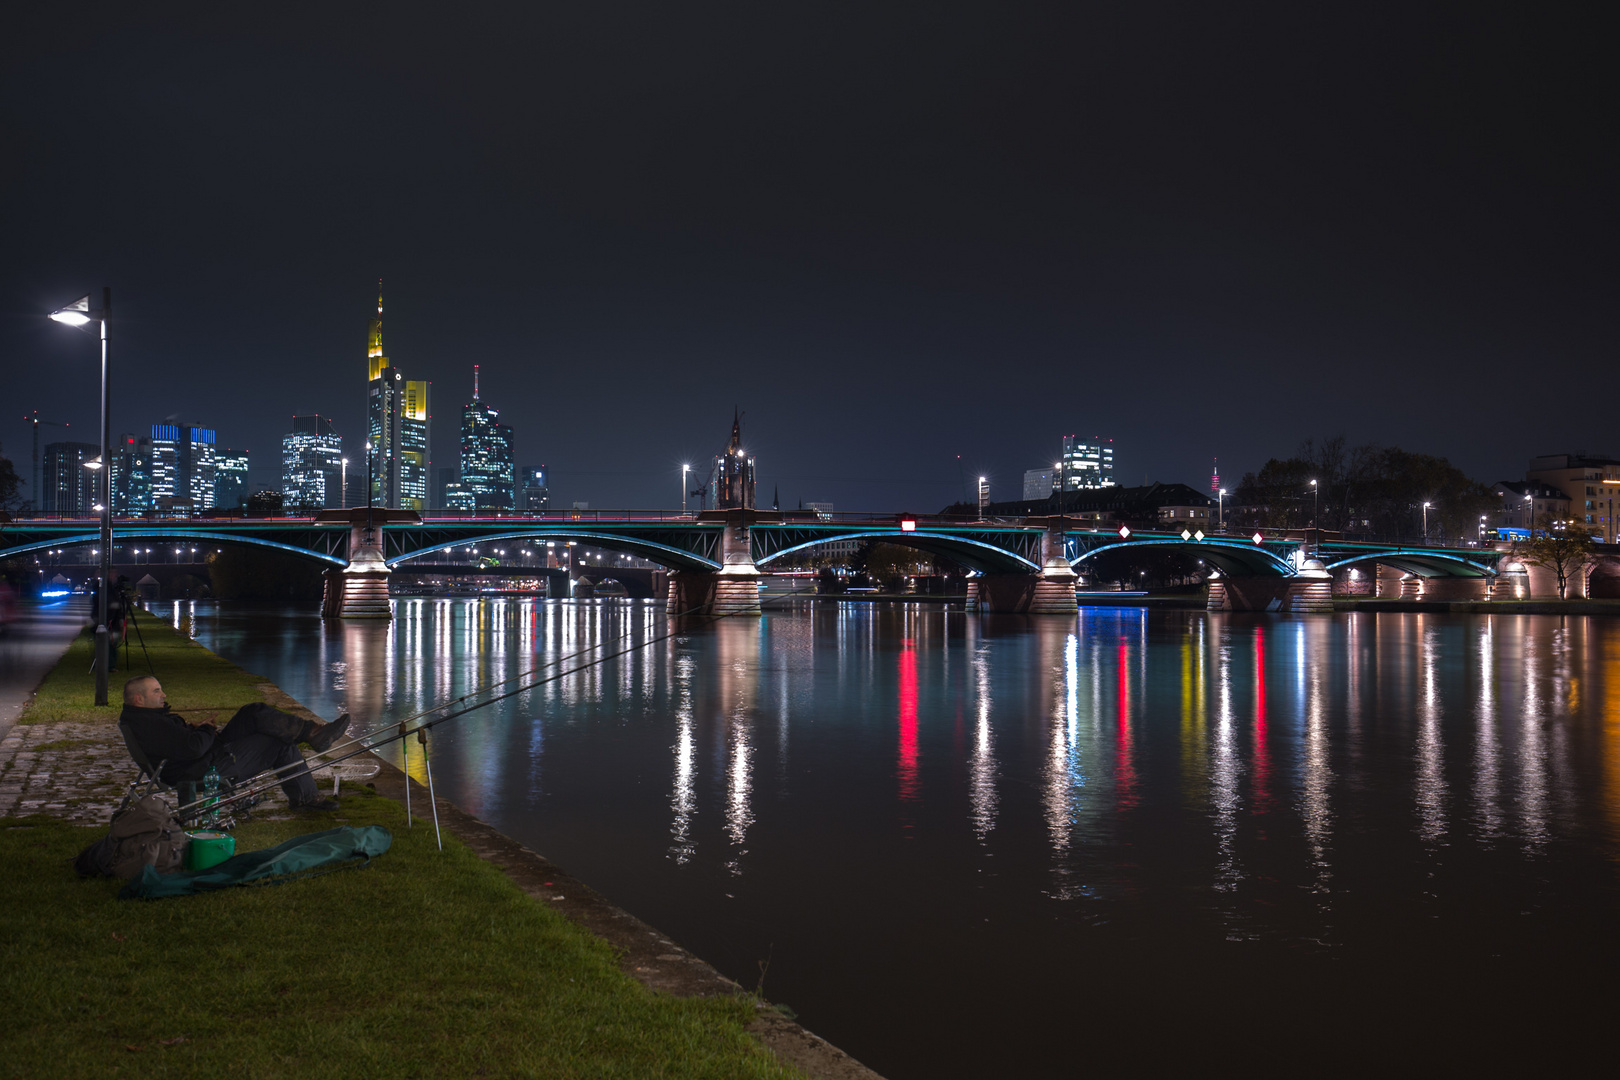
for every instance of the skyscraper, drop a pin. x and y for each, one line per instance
(311, 464)
(397, 415)
(1087, 465)
(182, 466)
(69, 487)
(230, 479)
(132, 474)
(487, 471)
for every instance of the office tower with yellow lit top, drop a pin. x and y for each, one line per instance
(397, 414)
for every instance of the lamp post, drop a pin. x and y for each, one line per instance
(684, 470)
(79, 314)
(1529, 513)
(1220, 507)
(1426, 522)
(345, 495)
(1316, 506)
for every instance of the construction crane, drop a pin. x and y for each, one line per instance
(33, 492)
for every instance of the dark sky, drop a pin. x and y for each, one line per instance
(892, 234)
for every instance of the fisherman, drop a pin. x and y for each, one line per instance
(257, 738)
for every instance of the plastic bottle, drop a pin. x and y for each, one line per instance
(210, 794)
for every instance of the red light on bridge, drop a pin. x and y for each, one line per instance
(908, 524)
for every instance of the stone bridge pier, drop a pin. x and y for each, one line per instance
(731, 590)
(1310, 590)
(1048, 592)
(360, 590)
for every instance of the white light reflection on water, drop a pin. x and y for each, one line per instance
(1228, 769)
(1431, 778)
(683, 798)
(1317, 781)
(1487, 740)
(1532, 751)
(982, 761)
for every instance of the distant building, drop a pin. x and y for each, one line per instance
(132, 474)
(183, 465)
(1040, 483)
(264, 502)
(69, 487)
(443, 477)
(397, 415)
(731, 479)
(230, 479)
(824, 510)
(534, 491)
(1155, 506)
(487, 470)
(312, 464)
(1086, 466)
(457, 497)
(1589, 483)
(1524, 502)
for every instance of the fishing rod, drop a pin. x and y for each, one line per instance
(362, 744)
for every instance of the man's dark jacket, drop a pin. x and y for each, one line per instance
(165, 737)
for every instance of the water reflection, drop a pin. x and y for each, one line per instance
(1116, 781)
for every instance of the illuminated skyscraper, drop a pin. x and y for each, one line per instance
(397, 415)
(132, 474)
(230, 479)
(1087, 465)
(487, 471)
(311, 464)
(182, 466)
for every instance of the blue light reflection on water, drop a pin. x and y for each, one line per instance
(851, 790)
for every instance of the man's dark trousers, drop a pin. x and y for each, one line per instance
(261, 737)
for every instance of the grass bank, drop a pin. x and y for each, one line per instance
(200, 684)
(425, 963)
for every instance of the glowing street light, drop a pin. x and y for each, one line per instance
(1220, 507)
(684, 470)
(1426, 522)
(79, 314)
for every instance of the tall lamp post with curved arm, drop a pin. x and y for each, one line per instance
(80, 314)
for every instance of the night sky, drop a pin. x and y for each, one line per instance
(891, 234)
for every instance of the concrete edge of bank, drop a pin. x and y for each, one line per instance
(646, 955)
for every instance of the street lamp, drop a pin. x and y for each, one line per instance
(684, 470)
(1220, 507)
(1426, 522)
(345, 482)
(79, 314)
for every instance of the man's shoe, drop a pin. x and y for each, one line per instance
(319, 804)
(322, 738)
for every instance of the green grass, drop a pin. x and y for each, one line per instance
(198, 682)
(424, 964)
(421, 964)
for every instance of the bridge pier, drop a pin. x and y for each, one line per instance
(360, 590)
(731, 590)
(1310, 591)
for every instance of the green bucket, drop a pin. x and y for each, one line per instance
(208, 849)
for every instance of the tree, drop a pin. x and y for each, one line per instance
(9, 484)
(1559, 546)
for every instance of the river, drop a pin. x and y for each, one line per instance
(977, 845)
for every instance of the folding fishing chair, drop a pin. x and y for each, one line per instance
(149, 781)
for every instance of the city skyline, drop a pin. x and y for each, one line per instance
(892, 240)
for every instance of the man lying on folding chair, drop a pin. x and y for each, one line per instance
(257, 738)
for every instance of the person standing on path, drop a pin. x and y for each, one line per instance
(257, 738)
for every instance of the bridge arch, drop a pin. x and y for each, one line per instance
(974, 554)
(1230, 557)
(1427, 564)
(664, 554)
(127, 532)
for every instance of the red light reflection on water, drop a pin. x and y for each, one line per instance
(908, 720)
(1124, 770)
(1262, 753)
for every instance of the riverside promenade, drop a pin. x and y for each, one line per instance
(76, 771)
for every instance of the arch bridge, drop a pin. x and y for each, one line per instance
(716, 557)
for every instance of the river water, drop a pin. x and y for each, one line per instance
(975, 845)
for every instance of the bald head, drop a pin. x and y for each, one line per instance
(145, 692)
